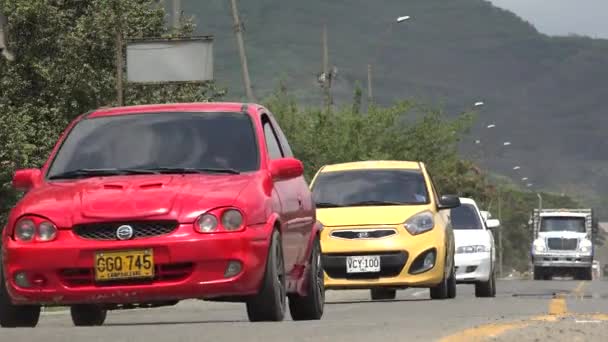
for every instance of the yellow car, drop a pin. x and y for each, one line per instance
(385, 228)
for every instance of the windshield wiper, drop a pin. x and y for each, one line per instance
(327, 205)
(194, 170)
(78, 173)
(376, 203)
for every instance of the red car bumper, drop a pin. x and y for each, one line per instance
(187, 265)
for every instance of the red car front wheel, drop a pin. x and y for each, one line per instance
(270, 303)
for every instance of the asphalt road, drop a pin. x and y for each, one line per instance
(523, 310)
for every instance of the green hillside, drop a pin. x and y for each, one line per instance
(544, 94)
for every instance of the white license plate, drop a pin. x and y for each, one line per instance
(363, 264)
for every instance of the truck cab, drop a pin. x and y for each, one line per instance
(562, 244)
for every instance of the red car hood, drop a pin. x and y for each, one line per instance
(132, 197)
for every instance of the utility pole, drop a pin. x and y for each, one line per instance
(370, 94)
(177, 12)
(326, 75)
(500, 254)
(119, 55)
(238, 30)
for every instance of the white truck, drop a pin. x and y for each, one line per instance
(562, 243)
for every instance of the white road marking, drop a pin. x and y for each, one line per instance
(585, 321)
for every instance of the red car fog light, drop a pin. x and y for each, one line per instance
(21, 280)
(234, 268)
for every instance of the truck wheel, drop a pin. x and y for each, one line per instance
(584, 274)
(310, 307)
(270, 303)
(539, 273)
(15, 316)
(87, 315)
(383, 294)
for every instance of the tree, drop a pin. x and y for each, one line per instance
(403, 131)
(65, 66)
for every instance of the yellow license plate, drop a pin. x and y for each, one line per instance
(118, 265)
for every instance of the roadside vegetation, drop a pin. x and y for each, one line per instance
(65, 67)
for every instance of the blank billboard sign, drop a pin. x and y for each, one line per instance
(170, 60)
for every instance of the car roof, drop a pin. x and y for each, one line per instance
(468, 200)
(233, 107)
(373, 164)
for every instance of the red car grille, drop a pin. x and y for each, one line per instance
(141, 230)
(80, 277)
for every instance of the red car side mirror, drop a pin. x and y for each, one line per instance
(25, 179)
(286, 168)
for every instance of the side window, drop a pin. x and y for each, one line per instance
(282, 139)
(272, 143)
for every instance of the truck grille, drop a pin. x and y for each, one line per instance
(562, 244)
(141, 229)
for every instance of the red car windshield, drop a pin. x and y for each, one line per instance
(155, 141)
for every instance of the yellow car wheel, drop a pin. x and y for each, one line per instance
(447, 288)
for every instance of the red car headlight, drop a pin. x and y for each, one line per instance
(206, 223)
(25, 230)
(230, 220)
(30, 229)
(46, 231)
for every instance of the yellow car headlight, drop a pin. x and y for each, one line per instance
(420, 223)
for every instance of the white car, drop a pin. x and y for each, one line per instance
(475, 251)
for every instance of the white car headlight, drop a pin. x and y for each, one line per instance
(472, 249)
(420, 223)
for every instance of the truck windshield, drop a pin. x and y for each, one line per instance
(159, 141)
(465, 217)
(563, 224)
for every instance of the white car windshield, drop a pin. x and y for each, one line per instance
(465, 217)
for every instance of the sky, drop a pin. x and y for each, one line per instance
(562, 17)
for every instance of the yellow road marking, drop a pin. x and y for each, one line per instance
(557, 306)
(557, 309)
(579, 287)
(483, 332)
(579, 291)
(599, 317)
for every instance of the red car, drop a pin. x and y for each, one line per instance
(145, 206)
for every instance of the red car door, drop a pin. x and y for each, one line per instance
(295, 213)
(306, 216)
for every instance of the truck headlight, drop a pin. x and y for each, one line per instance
(539, 246)
(585, 246)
